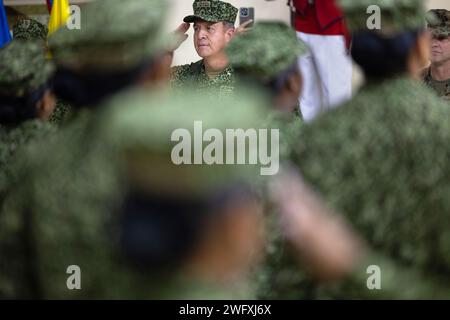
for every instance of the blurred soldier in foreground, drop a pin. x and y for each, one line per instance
(93, 64)
(26, 101)
(437, 76)
(265, 59)
(389, 176)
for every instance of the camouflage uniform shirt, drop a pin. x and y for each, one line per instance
(194, 75)
(442, 88)
(14, 139)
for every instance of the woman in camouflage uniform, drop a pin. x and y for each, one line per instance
(382, 160)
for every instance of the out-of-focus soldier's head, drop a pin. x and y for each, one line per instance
(390, 42)
(267, 56)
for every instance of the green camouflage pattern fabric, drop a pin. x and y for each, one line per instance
(61, 113)
(442, 88)
(266, 50)
(381, 160)
(396, 15)
(23, 68)
(213, 11)
(440, 26)
(121, 37)
(84, 170)
(30, 29)
(194, 76)
(283, 276)
(12, 140)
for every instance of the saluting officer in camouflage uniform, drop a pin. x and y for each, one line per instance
(437, 76)
(214, 28)
(265, 61)
(382, 160)
(26, 99)
(327, 247)
(93, 64)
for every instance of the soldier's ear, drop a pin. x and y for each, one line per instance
(420, 55)
(423, 47)
(46, 105)
(229, 33)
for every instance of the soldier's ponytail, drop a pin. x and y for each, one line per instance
(382, 56)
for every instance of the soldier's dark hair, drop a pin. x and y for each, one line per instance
(15, 110)
(159, 232)
(89, 88)
(381, 56)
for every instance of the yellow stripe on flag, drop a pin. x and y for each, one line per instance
(59, 15)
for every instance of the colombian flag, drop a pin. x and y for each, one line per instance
(5, 35)
(60, 13)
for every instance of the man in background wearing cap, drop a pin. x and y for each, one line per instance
(437, 76)
(213, 29)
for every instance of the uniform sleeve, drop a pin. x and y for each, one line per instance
(379, 277)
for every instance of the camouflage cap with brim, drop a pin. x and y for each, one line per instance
(212, 11)
(114, 35)
(439, 22)
(150, 127)
(266, 50)
(396, 16)
(23, 68)
(29, 29)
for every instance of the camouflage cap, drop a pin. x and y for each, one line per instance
(396, 16)
(29, 29)
(150, 128)
(266, 50)
(440, 25)
(23, 68)
(213, 11)
(114, 35)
